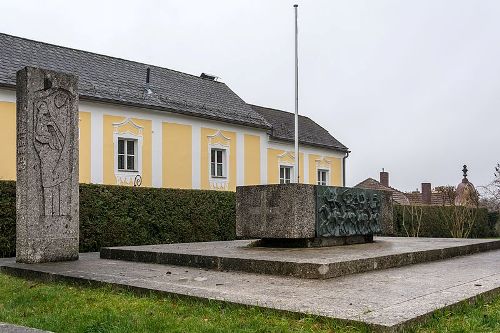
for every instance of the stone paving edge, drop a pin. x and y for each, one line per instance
(85, 281)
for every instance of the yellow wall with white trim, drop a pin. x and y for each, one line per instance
(109, 158)
(176, 161)
(177, 156)
(252, 159)
(205, 162)
(274, 161)
(8, 140)
(336, 172)
(84, 147)
(334, 165)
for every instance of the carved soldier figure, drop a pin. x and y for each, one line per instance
(51, 130)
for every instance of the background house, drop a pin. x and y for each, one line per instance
(383, 185)
(426, 196)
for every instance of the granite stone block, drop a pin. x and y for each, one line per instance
(316, 215)
(276, 211)
(387, 214)
(47, 198)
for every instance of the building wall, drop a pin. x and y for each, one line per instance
(8, 140)
(330, 163)
(252, 159)
(279, 157)
(174, 149)
(311, 159)
(178, 142)
(85, 150)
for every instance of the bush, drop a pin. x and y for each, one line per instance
(7, 219)
(119, 215)
(494, 219)
(434, 221)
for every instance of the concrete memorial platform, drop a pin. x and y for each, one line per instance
(388, 300)
(9, 328)
(312, 263)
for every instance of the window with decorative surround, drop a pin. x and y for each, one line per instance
(218, 152)
(286, 161)
(323, 169)
(286, 174)
(323, 177)
(127, 142)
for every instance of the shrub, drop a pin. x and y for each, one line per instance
(7, 219)
(434, 221)
(119, 215)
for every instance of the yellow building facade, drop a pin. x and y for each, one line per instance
(123, 145)
(143, 125)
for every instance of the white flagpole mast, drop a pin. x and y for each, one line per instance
(297, 177)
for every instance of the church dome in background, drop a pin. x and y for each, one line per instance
(466, 194)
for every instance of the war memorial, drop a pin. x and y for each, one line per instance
(47, 166)
(304, 248)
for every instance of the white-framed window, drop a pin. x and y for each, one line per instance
(286, 174)
(218, 163)
(127, 150)
(127, 155)
(323, 177)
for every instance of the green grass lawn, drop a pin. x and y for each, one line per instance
(61, 307)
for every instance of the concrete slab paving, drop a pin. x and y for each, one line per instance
(9, 328)
(387, 300)
(315, 263)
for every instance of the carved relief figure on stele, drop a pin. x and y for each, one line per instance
(51, 144)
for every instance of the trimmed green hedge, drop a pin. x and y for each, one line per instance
(434, 221)
(7, 219)
(118, 215)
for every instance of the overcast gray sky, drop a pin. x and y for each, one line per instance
(409, 86)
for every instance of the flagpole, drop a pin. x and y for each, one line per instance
(297, 173)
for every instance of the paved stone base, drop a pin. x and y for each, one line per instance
(313, 263)
(387, 300)
(9, 328)
(313, 242)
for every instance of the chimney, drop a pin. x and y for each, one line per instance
(209, 77)
(384, 178)
(147, 88)
(148, 74)
(426, 193)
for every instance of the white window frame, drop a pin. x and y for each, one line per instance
(127, 177)
(223, 162)
(126, 155)
(292, 173)
(327, 176)
(219, 183)
(324, 163)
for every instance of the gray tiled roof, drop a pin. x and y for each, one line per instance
(121, 81)
(398, 196)
(283, 128)
(437, 199)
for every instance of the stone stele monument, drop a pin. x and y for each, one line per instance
(47, 200)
